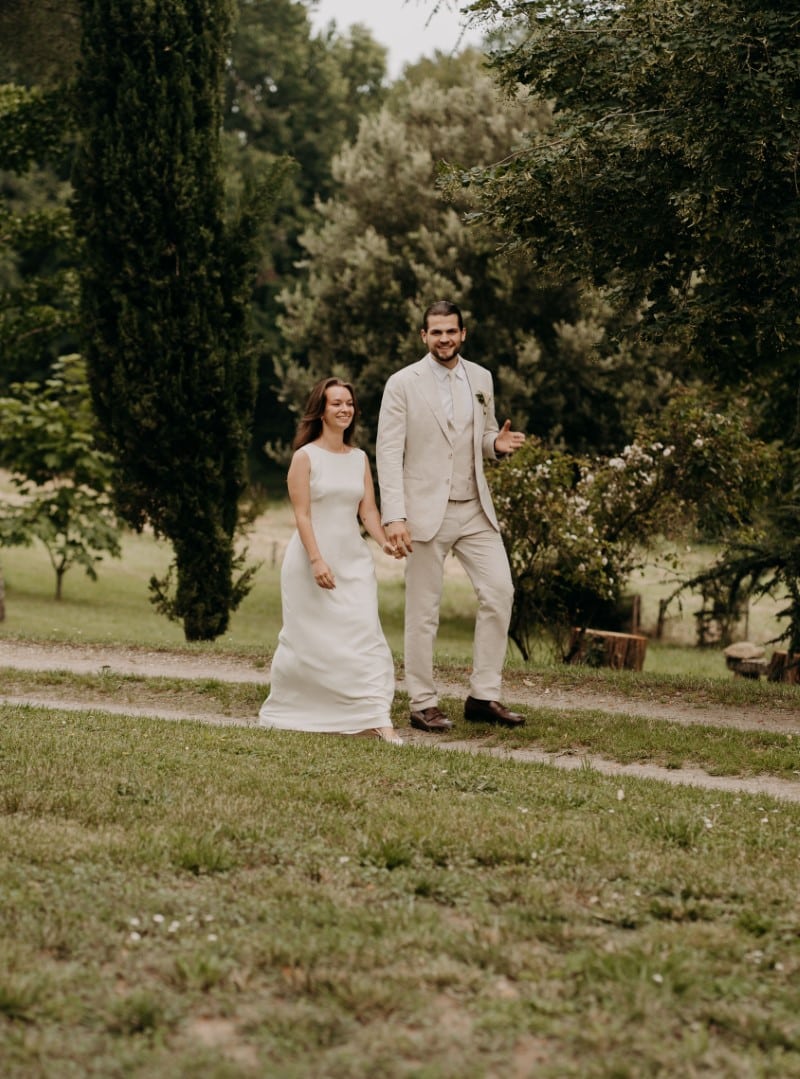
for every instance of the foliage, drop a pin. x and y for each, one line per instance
(576, 528)
(38, 251)
(39, 40)
(395, 236)
(61, 478)
(670, 170)
(166, 285)
(288, 93)
(669, 178)
(766, 563)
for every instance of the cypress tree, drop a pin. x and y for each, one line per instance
(165, 292)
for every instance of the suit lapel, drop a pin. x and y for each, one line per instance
(432, 396)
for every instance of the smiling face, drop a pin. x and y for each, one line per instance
(339, 409)
(444, 338)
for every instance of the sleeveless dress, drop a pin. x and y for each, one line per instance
(332, 671)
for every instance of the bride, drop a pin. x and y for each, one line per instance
(332, 671)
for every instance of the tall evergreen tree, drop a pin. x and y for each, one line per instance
(166, 287)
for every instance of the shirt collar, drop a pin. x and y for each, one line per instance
(443, 372)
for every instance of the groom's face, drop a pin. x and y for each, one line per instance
(444, 338)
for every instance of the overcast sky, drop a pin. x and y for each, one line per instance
(400, 26)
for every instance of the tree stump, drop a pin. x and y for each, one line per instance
(745, 659)
(606, 648)
(783, 669)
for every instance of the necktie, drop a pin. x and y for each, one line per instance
(460, 414)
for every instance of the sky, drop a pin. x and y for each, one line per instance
(400, 26)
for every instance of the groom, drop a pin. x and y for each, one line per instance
(436, 425)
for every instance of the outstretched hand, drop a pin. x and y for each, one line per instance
(507, 440)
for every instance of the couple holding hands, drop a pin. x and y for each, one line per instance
(332, 671)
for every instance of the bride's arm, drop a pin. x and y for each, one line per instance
(299, 483)
(370, 516)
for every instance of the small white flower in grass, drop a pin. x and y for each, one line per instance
(667, 451)
(208, 917)
(134, 923)
(779, 966)
(173, 927)
(212, 937)
(708, 822)
(344, 860)
(765, 820)
(620, 795)
(522, 809)
(698, 443)
(658, 979)
(134, 937)
(158, 918)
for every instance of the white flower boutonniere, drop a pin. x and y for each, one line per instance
(481, 399)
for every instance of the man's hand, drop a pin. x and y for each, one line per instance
(398, 536)
(507, 440)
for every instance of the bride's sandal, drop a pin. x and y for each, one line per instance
(390, 735)
(385, 734)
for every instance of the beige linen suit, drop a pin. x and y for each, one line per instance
(415, 455)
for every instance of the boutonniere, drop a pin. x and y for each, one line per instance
(481, 401)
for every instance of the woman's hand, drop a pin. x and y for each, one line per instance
(323, 574)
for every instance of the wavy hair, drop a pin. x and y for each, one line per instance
(310, 427)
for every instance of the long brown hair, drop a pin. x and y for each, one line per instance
(310, 427)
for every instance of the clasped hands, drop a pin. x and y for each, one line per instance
(398, 540)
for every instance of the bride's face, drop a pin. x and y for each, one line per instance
(338, 414)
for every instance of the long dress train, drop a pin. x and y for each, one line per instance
(332, 671)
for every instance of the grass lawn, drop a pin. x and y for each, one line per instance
(183, 900)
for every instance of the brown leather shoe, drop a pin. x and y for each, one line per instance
(491, 712)
(431, 719)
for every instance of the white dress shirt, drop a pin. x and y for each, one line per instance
(460, 385)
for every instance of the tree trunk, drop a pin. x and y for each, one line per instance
(605, 648)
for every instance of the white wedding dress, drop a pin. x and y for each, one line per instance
(332, 671)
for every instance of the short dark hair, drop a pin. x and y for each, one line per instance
(310, 426)
(443, 307)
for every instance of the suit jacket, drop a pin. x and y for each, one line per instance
(414, 449)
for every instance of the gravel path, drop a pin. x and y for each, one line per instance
(91, 659)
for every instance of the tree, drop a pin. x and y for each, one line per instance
(39, 40)
(38, 252)
(62, 480)
(669, 173)
(165, 287)
(288, 93)
(391, 239)
(669, 177)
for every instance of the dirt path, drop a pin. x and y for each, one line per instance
(95, 659)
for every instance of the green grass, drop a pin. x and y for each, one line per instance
(182, 899)
(720, 750)
(116, 610)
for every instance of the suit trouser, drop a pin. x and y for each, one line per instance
(479, 548)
